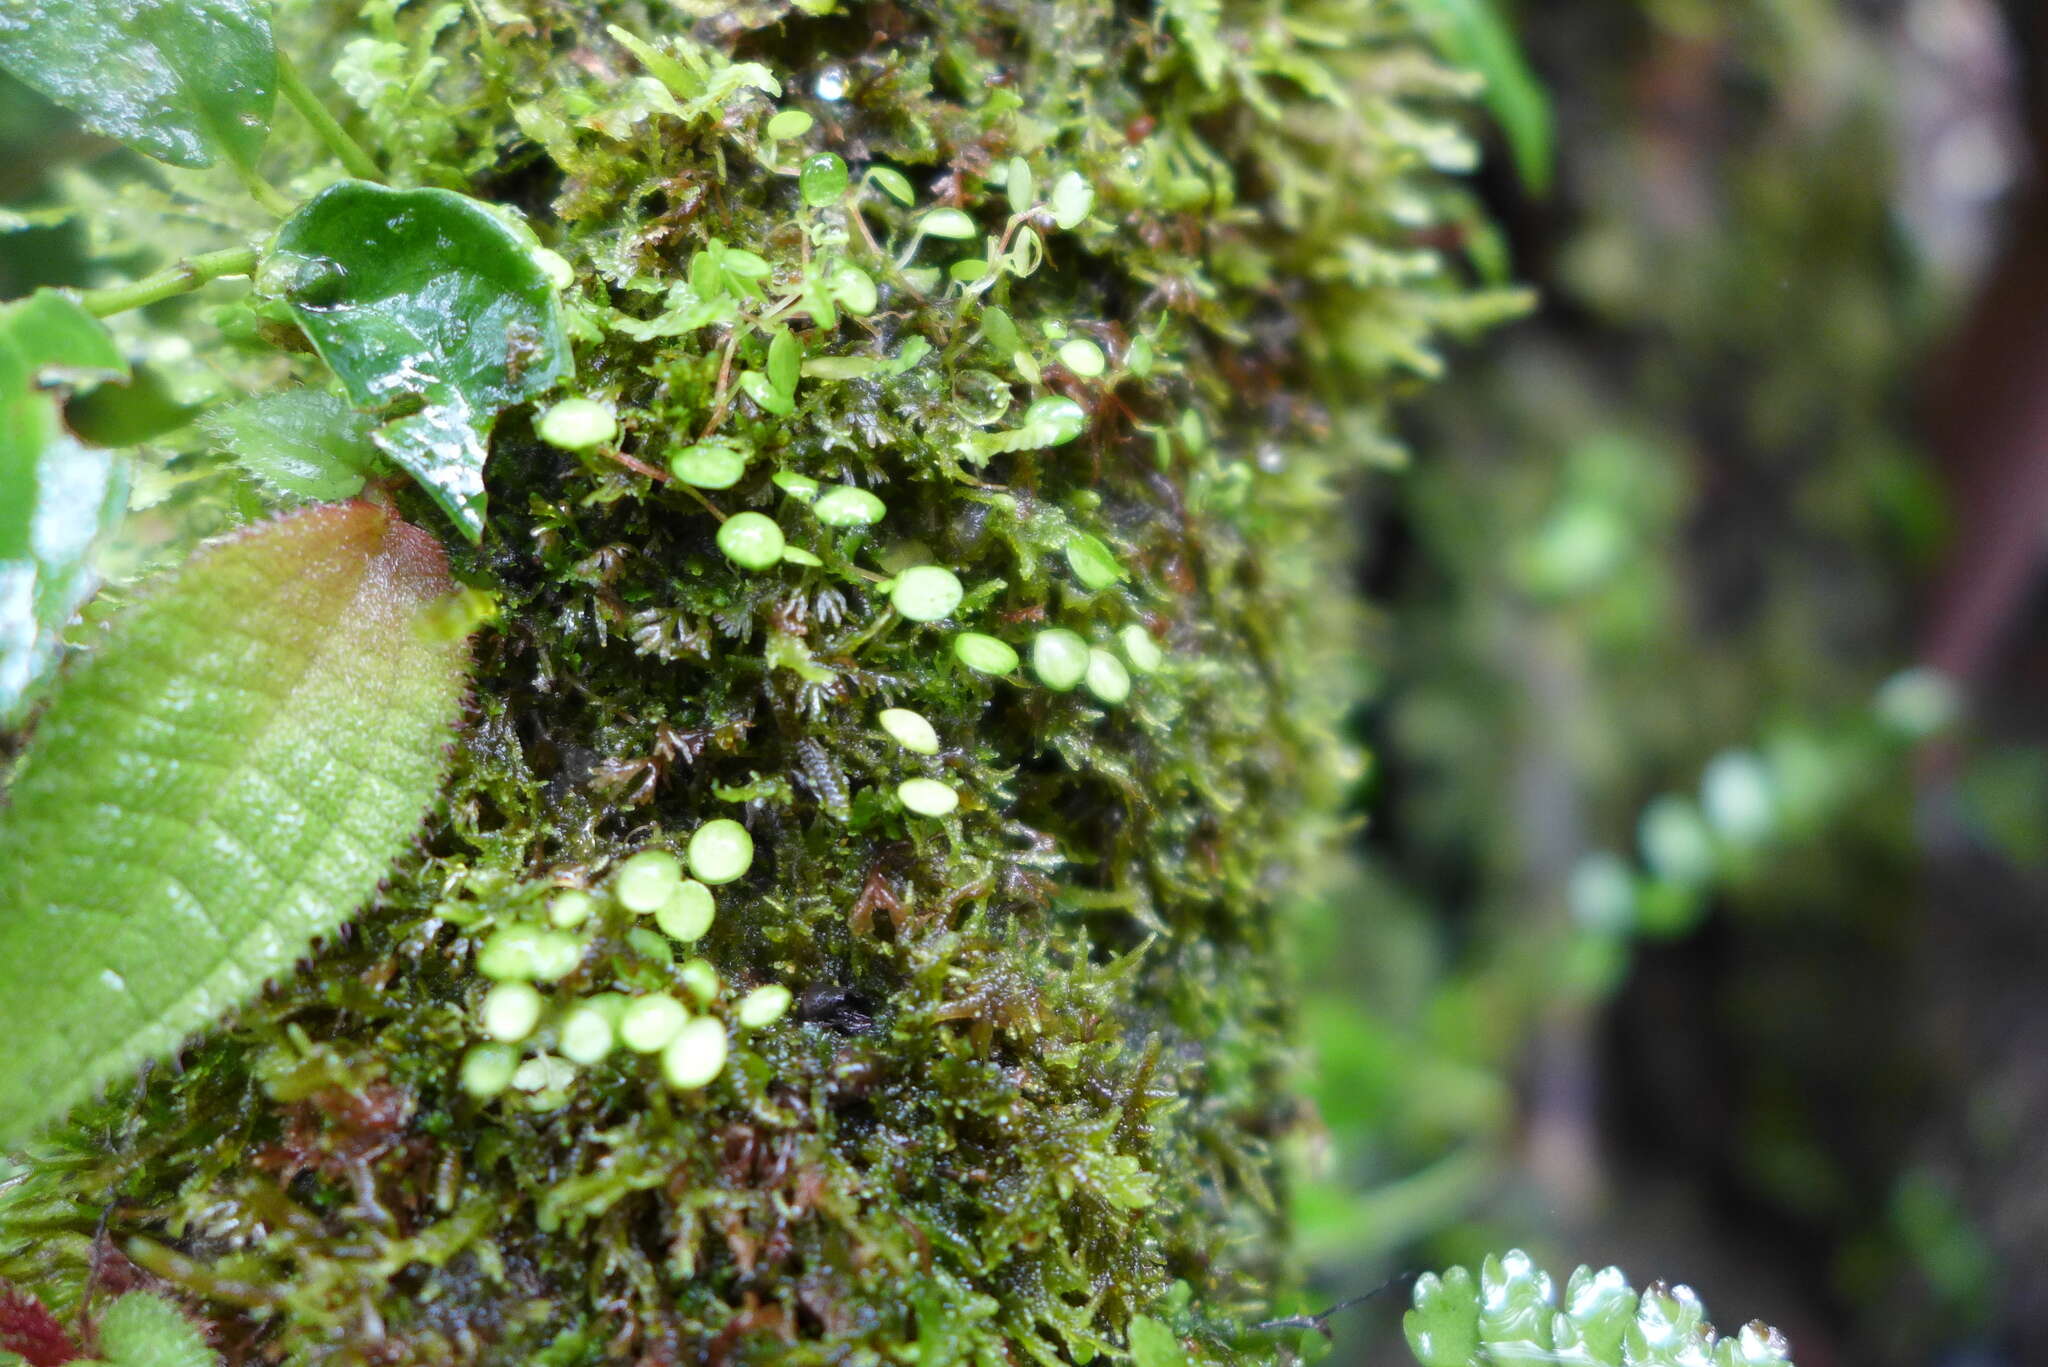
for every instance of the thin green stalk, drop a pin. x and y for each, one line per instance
(263, 192)
(351, 153)
(181, 278)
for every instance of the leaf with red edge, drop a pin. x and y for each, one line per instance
(30, 1331)
(226, 778)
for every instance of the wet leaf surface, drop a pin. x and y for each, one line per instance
(57, 495)
(424, 298)
(186, 81)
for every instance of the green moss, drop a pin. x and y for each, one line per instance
(1031, 1079)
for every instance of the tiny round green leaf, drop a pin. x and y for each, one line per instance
(577, 425)
(855, 290)
(709, 465)
(721, 851)
(952, 224)
(1107, 678)
(1083, 357)
(510, 1011)
(1059, 658)
(1017, 185)
(984, 654)
(1139, 357)
(910, 730)
(763, 1006)
(927, 797)
(893, 183)
(1072, 198)
(687, 914)
(842, 505)
(701, 979)
(795, 485)
(1092, 562)
(646, 881)
(556, 953)
(487, 1069)
(651, 1022)
(696, 1055)
(926, 593)
(790, 123)
(751, 540)
(571, 909)
(543, 1074)
(1141, 650)
(1062, 419)
(585, 1035)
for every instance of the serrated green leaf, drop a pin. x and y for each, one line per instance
(181, 80)
(424, 296)
(57, 496)
(1509, 1318)
(1472, 34)
(143, 1330)
(304, 444)
(1155, 1345)
(226, 778)
(1443, 1326)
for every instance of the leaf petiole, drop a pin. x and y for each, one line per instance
(180, 278)
(294, 88)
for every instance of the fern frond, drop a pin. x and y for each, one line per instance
(1511, 1316)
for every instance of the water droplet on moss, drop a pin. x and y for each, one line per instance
(822, 180)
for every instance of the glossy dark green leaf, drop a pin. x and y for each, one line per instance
(303, 444)
(57, 495)
(185, 81)
(226, 777)
(1472, 34)
(424, 300)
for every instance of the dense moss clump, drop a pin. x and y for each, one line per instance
(1030, 1076)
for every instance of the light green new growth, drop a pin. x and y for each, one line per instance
(1512, 1315)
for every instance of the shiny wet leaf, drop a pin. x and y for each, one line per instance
(185, 81)
(58, 496)
(426, 303)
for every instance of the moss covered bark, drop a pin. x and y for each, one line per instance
(1033, 1078)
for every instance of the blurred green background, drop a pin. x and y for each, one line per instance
(1681, 932)
(1686, 926)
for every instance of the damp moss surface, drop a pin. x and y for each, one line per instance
(1030, 1078)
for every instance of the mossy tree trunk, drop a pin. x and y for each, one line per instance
(1036, 1070)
